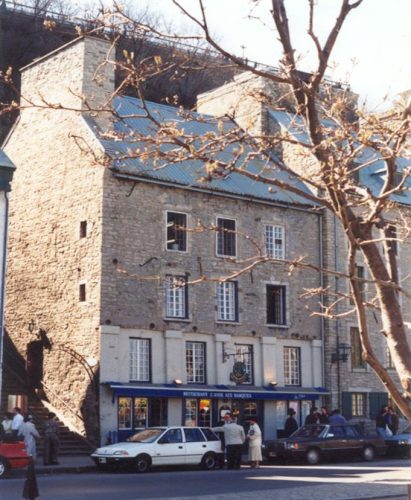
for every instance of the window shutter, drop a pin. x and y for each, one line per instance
(377, 400)
(347, 405)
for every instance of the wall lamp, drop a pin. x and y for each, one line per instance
(273, 383)
(342, 352)
(177, 381)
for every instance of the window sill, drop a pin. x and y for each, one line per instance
(177, 320)
(269, 325)
(359, 370)
(183, 252)
(226, 322)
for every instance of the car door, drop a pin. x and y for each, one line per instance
(335, 443)
(196, 445)
(170, 449)
(354, 439)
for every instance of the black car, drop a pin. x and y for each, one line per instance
(315, 442)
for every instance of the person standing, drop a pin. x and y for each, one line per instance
(336, 418)
(290, 425)
(323, 415)
(30, 434)
(394, 420)
(380, 422)
(51, 440)
(17, 421)
(312, 418)
(7, 423)
(254, 444)
(234, 436)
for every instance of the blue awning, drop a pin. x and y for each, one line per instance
(216, 392)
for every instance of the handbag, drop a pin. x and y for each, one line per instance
(388, 431)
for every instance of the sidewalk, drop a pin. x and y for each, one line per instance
(77, 463)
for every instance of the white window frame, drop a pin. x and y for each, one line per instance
(198, 360)
(292, 368)
(166, 231)
(272, 248)
(227, 301)
(139, 359)
(218, 234)
(176, 298)
(245, 354)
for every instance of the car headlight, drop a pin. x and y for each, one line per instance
(123, 453)
(292, 446)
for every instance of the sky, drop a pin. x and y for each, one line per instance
(373, 52)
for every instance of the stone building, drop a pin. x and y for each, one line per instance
(103, 256)
(261, 107)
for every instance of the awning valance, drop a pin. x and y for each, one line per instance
(216, 392)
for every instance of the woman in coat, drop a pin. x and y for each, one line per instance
(30, 434)
(254, 444)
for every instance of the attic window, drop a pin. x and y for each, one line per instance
(83, 229)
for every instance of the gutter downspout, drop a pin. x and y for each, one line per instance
(337, 321)
(3, 287)
(322, 329)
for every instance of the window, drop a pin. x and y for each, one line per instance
(227, 301)
(140, 360)
(176, 297)
(291, 357)
(226, 237)
(388, 358)
(274, 241)
(244, 354)
(276, 305)
(176, 231)
(82, 292)
(196, 362)
(134, 413)
(194, 436)
(358, 400)
(83, 229)
(124, 413)
(356, 349)
(140, 412)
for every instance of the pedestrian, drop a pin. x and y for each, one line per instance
(51, 440)
(17, 421)
(323, 415)
(7, 424)
(30, 434)
(395, 421)
(234, 436)
(336, 418)
(380, 422)
(312, 417)
(254, 437)
(290, 425)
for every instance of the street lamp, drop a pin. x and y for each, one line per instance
(342, 352)
(6, 175)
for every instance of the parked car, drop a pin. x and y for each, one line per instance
(13, 455)
(313, 443)
(163, 446)
(400, 444)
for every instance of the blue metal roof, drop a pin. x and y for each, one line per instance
(133, 127)
(371, 176)
(5, 160)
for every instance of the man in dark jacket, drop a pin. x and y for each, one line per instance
(290, 423)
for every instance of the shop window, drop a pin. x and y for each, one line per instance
(276, 305)
(176, 297)
(227, 301)
(356, 349)
(292, 368)
(274, 241)
(226, 237)
(197, 413)
(196, 362)
(176, 231)
(140, 412)
(158, 412)
(139, 362)
(244, 354)
(124, 413)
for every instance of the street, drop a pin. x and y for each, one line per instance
(381, 479)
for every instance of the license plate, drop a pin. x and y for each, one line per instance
(272, 454)
(102, 460)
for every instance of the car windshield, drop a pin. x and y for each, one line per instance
(309, 431)
(146, 436)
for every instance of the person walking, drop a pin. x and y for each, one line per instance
(290, 425)
(234, 436)
(7, 423)
(17, 421)
(254, 437)
(51, 440)
(30, 434)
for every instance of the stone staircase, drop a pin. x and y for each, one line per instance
(15, 382)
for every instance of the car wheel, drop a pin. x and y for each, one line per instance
(368, 453)
(142, 463)
(4, 467)
(313, 456)
(209, 461)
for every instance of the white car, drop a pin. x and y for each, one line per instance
(163, 446)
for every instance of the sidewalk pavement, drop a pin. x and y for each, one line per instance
(75, 463)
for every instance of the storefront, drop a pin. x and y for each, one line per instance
(140, 406)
